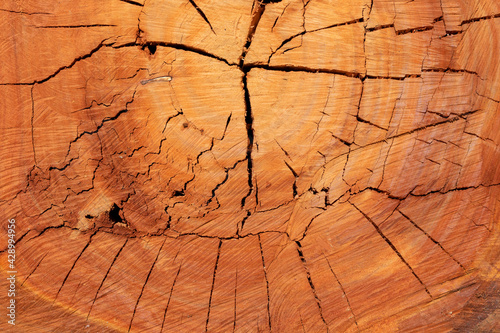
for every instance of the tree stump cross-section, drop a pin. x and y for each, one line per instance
(253, 166)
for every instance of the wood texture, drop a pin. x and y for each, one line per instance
(251, 166)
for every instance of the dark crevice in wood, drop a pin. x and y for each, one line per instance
(431, 238)
(33, 271)
(169, 298)
(477, 19)
(257, 15)
(114, 214)
(291, 68)
(267, 284)
(202, 14)
(380, 27)
(343, 292)
(105, 276)
(413, 30)
(74, 264)
(250, 136)
(311, 284)
(74, 26)
(144, 285)
(131, 2)
(391, 245)
(304, 32)
(213, 285)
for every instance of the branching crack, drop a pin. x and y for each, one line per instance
(73, 63)
(302, 33)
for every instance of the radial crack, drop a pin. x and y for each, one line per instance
(302, 33)
(23, 13)
(305, 69)
(431, 238)
(202, 14)
(74, 264)
(105, 276)
(85, 56)
(131, 2)
(235, 293)
(267, 283)
(73, 26)
(144, 285)
(343, 291)
(32, 124)
(309, 279)
(257, 15)
(489, 17)
(392, 247)
(169, 298)
(213, 284)
(250, 136)
(296, 176)
(33, 271)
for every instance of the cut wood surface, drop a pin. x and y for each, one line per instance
(251, 166)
